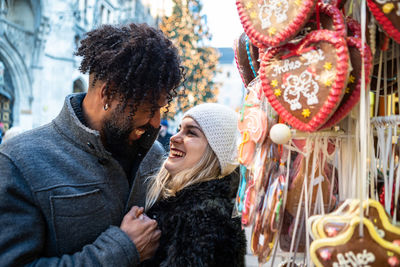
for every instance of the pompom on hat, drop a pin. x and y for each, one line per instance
(219, 125)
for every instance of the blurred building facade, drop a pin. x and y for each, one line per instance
(232, 91)
(38, 39)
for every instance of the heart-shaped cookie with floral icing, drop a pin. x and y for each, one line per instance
(306, 82)
(274, 22)
(387, 14)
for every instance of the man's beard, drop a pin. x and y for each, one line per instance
(116, 137)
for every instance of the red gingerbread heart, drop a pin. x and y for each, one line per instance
(387, 13)
(305, 82)
(353, 88)
(353, 27)
(330, 18)
(274, 22)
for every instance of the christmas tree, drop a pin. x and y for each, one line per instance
(187, 28)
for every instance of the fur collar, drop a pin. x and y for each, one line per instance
(217, 188)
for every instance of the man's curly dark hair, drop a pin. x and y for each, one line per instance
(136, 61)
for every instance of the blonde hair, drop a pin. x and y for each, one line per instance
(163, 185)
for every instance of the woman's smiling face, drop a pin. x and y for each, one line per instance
(186, 147)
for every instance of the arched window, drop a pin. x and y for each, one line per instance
(21, 12)
(79, 86)
(6, 97)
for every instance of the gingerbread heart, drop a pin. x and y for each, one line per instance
(353, 27)
(387, 14)
(274, 22)
(373, 210)
(351, 249)
(306, 82)
(353, 88)
(246, 56)
(344, 208)
(336, 222)
(330, 18)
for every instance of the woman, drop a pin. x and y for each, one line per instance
(191, 197)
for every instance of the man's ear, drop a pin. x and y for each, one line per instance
(102, 94)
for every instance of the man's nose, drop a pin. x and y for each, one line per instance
(156, 119)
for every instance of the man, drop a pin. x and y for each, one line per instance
(164, 135)
(69, 189)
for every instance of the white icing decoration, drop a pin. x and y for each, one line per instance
(287, 65)
(303, 84)
(318, 180)
(253, 125)
(310, 87)
(313, 56)
(382, 1)
(398, 9)
(278, 7)
(349, 259)
(261, 240)
(380, 232)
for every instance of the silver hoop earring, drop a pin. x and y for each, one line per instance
(105, 107)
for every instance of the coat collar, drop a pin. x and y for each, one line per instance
(217, 188)
(68, 124)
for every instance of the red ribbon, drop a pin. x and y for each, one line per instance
(298, 52)
(317, 15)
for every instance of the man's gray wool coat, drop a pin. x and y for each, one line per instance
(63, 197)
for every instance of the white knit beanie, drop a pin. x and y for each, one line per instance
(219, 125)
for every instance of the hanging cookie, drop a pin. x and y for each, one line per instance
(353, 27)
(274, 22)
(297, 180)
(351, 249)
(252, 124)
(373, 210)
(353, 88)
(306, 82)
(330, 18)
(387, 14)
(246, 55)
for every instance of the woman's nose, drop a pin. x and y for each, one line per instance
(176, 138)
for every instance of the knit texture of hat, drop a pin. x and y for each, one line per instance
(219, 125)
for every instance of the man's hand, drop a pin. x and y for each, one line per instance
(142, 231)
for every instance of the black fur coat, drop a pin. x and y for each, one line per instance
(198, 228)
